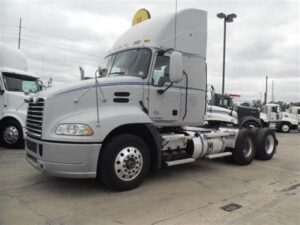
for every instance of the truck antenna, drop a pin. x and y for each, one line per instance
(175, 31)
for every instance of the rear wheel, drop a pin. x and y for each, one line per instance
(266, 144)
(124, 162)
(12, 134)
(245, 148)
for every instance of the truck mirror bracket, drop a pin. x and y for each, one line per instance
(161, 91)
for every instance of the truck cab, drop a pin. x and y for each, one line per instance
(282, 121)
(222, 110)
(295, 110)
(16, 86)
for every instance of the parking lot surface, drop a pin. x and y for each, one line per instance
(267, 191)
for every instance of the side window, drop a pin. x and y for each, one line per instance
(274, 109)
(161, 70)
(298, 111)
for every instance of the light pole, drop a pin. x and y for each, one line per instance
(227, 19)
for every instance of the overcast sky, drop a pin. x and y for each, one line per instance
(58, 36)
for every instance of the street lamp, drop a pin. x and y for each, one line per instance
(227, 19)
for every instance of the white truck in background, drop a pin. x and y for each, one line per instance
(281, 121)
(295, 110)
(144, 113)
(16, 85)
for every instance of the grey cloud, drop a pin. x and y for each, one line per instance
(263, 40)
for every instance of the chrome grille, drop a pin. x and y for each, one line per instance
(35, 118)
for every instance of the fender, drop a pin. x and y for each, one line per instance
(249, 118)
(110, 118)
(15, 117)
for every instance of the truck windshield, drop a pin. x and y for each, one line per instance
(134, 62)
(20, 83)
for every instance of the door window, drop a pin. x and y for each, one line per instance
(274, 109)
(161, 71)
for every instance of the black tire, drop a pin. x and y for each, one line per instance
(12, 134)
(114, 169)
(285, 128)
(266, 144)
(245, 148)
(251, 124)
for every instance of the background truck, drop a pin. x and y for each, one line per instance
(295, 110)
(144, 113)
(16, 84)
(222, 110)
(281, 121)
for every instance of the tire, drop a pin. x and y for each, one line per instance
(124, 162)
(12, 134)
(285, 128)
(266, 144)
(245, 148)
(251, 124)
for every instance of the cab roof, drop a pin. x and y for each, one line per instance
(191, 33)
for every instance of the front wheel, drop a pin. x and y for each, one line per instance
(124, 162)
(12, 134)
(285, 128)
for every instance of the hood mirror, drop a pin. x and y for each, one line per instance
(102, 72)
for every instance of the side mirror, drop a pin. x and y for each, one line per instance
(103, 72)
(49, 82)
(176, 69)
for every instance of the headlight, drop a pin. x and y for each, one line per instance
(74, 130)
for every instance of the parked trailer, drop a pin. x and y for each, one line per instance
(16, 84)
(144, 113)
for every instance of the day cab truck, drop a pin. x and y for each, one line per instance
(281, 121)
(295, 110)
(222, 111)
(16, 84)
(144, 113)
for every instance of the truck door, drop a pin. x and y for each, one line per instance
(163, 107)
(1, 96)
(274, 113)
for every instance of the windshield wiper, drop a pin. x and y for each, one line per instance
(14, 89)
(121, 73)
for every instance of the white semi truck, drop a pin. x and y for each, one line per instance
(144, 113)
(281, 121)
(295, 110)
(16, 84)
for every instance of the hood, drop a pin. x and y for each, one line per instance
(217, 109)
(289, 115)
(85, 85)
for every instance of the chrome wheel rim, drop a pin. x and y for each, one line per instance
(128, 163)
(269, 144)
(285, 128)
(247, 147)
(11, 135)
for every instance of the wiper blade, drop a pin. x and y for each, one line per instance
(121, 73)
(18, 90)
